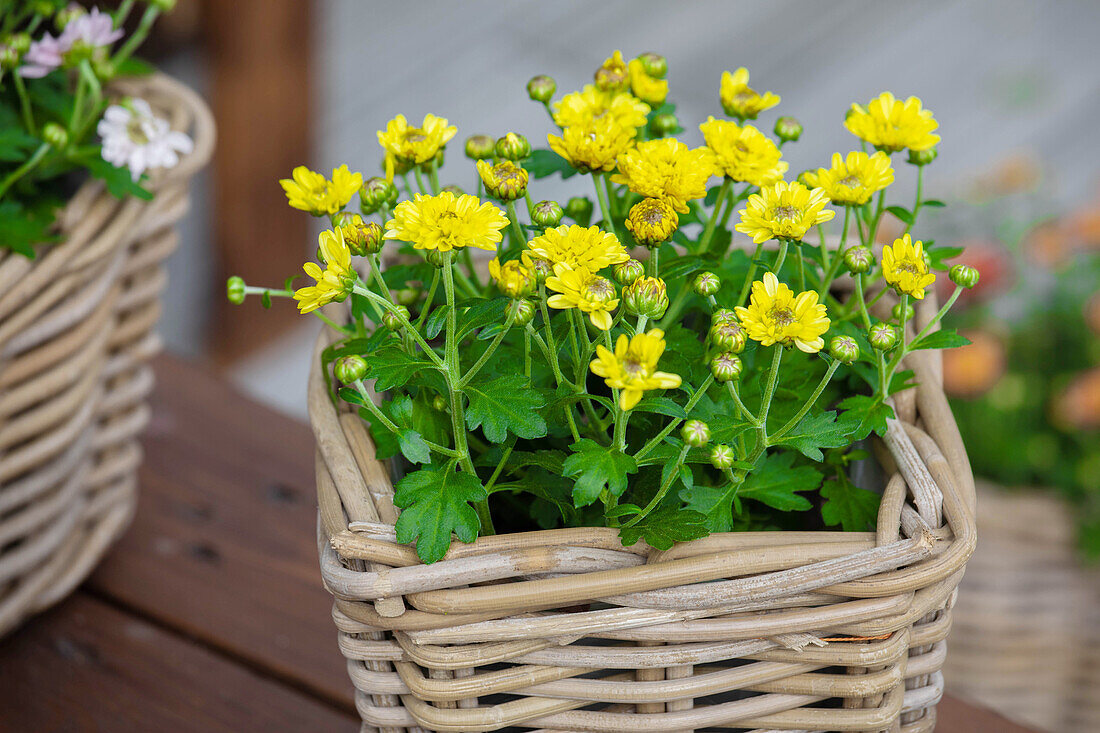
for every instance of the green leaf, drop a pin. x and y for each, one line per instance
(436, 321)
(596, 468)
(945, 339)
(872, 414)
(16, 145)
(623, 510)
(119, 182)
(901, 213)
(660, 406)
(665, 527)
(21, 228)
(479, 312)
(851, 507)
(714, 503)
(777, 481)
(821, 430)
(135, 67)
(392, 367)
(938, 256)
(543, 163)
(435, 503)
(402, 412)
(505, 404)
(933, 203)
(413, 446)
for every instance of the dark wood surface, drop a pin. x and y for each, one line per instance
(209, 615)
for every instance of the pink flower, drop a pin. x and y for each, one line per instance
(42, 57)
(94, 30)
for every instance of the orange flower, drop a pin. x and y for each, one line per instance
(973, 370)
(1078, 406)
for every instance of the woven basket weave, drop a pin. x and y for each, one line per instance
(75, 338)
(567, 630)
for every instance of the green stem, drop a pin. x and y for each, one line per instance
(517, 229)
(675, 422)
(433, 176)
(605, 207)
(500, 466)
(139, 35)
(405, 323)
(24, 103)
(393, 428)
(661, 492)
(830, 272)
(24, 169)
(428, 300)
(708, 231)
(750, 275)
(781, 257)
(809, 403)
(860, 302)
(493, 345)
(917, 203)
(419, 180)
(769, 392)
(731, 387)
(879, 207)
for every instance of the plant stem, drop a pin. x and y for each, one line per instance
(665, 486)
(708, 231)
(769, 392)
(24, 103)
(490, 350)
(517, 230)
(433, 176)
(391, 426)
(809, 403)
(672, 425)
(24, 169)
(750, 275)
(830, 272)
(138, 37)
(428, 300)
(605, 207)
(917, 203)
(781, 257)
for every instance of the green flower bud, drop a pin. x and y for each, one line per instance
(524, 310)
(435, 258)
(705, 283)
(407, 296)
(20, 42)
(964, 276)
(439, 403)
(900, 315)
(56, 135)
(394, 322)
(646, 296)
(235, 290)
(695, 433)
(376, 193)
(788, 129)
(627, 272)
(612, 75)
(664, 124)
(362, 238)
(480, 147)
(722, 314)
(654, 64)
(513, 146)
(505, 180)
(541, 88)
(104, 69)
(722, 457)
(579, 209)
(844, 349)
(547, 214)
(726, 367)
(9, 58)
(922, 157)
(542, 269)
(728, 335)
(858, 260)
(883, 336)
(350, 369)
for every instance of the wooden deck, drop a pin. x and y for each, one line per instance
(209, 615)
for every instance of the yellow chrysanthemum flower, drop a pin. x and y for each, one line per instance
(310, 191)
(743, 153)
(904, 267)
(581, 109)
(575, 246)
(612, 74)
(668, 170)
(891, 124)
(652, 221)
(776, 316)
(650, 90)
(415, 145)
(335, 281)
(784, 211)
(741, 100)
(851, 181)
(515, 278)
(632, 368)
(594, 146)
(584, 290)
(445, 222)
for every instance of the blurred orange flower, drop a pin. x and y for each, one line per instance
(972, 370)
(1078, 406)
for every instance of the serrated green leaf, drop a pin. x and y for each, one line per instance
(413, 446)
(853, 508)
(16, 145)
(478, 312)
(777, 482)
(870, 411)
(435, 504)
(820, 430)
(119, 181)
(505, 404)
(595, 468)
(945, 339)
(392, 367)
(660, 406)
(665, 527)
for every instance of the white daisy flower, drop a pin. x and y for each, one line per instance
(133, 137)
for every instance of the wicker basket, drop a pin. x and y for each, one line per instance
(567, 630)
(1026, 638)
(75, 338)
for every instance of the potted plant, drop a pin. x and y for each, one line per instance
(693, 482)
(96, 153)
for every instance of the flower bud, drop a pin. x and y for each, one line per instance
(376, 193)
(599, 290)
(654, 64)
(362, 238)
(104, 69)
(9, 58)
(922, 157)
(505, 180)
(67, 15)
(788, 129)
(612, 75)
(579, 209)
(964, 276)
(407, 296)
(452, 188)
(883, 336)
(652, 222)
(664, 124)
(646, 296)
(513, 146)
(19, 42)
(722, 457)
(513, 278)
(721, 315)
(541, 88)
(56, 135)
(542, 269)
(705, 284)
(728, 336)
(844, 349)
(480, 147)
(695, 433)
(858, 260)
(439, 403)
(902, 315)
(235, 290)
(524, 311)
(393, 321)
(629, 271)
(435, 258)
(350, 369)
(726, 367)
(547, 214)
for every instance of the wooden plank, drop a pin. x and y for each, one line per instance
(86, 666)
(223, 547)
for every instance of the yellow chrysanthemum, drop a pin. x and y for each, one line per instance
(741, 100)
(668, 170)
(515, 278)
(904, 267)
(445, 222)
(650, 90)
(776, 316)
(743, 153)
(784, 211)
(310, 191)
(581, 109)
(853, 180)
(632, 368)
(594, 146)
(335, 281)
(652, 221)
(891, 124)
(612, 74)
(415, 145)
(575, 246)
(584, 290)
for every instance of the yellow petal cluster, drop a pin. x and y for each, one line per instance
(594, 146)
(852, 180)
(776, 316)
(784, 211)
(310, 191)
(743, 153)
(742, 101)
(904, 267)
(652, 221)
(584, 290)
(891, 124)
(632, 367)
(668, 170)
(581, 109)
(415, 145)
(575, 246)
(446, 221)
(515, 278)
(335, 281)
(649, 89)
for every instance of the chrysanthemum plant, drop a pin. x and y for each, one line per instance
(650, 372)
(59, 123)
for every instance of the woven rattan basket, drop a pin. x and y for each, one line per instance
(567, 630)
(76, 333)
